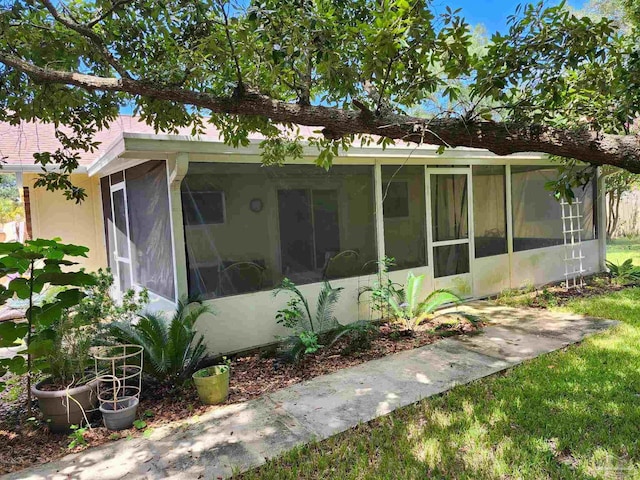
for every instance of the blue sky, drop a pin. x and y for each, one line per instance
(491, 13)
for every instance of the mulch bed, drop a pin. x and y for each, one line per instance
(28, 442)
(558, 295)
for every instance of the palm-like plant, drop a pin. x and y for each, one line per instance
(297, 314)
(172, 347)
(406, 307)
(624, 273)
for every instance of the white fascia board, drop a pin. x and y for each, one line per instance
(148, 146)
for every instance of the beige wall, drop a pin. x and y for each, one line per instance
(52, 215)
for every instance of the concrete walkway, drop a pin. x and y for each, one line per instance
(237, 437)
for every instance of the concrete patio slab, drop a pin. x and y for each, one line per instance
(237, 437)
(333, 403)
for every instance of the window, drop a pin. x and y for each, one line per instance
(203, 207)
(310, 225)
(537, 217)
(150, 228)
(489, 210)
(404, 215)
(449, 204)
(144, 245)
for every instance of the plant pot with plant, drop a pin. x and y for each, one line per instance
(56, 338)
(212, 383)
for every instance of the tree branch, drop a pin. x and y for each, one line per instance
(498, 137)
(106, 13)
(89, 34)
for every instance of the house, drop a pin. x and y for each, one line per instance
(182, 215)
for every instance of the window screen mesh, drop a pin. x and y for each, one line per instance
(403, 196)
(489, 210)
(299, 222)
(449, 204)
(150, 228)
(537, 215)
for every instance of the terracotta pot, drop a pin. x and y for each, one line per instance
(60, 411)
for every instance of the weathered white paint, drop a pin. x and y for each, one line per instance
(248, 320)
(244, 321)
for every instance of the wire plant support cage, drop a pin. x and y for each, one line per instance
(118, 372)
(572, 232)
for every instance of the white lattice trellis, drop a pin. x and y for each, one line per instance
(572, 232)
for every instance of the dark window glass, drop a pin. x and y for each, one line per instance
(203, 208)
(117, 177)
(449, 204)
(150, 228)
(108, 222)
(120, 220)
(451, 260)
(489, 210)
(403, 197)
(311, 225)
(537, 216)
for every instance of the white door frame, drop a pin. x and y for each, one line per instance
(450, 281)
(121, 186)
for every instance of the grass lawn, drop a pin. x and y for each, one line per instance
(569, 414)
(619, 249)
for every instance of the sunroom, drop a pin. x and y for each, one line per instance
(185, 216)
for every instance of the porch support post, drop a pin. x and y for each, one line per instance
(377, 175)
(601, 213)
(509, 211)
(178, 167)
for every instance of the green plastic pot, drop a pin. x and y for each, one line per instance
(212, 384)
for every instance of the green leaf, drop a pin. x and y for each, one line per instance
(11, 332)
(20, 286)
(76, 279)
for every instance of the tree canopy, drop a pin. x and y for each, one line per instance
(556, 82)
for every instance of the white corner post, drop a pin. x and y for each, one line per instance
(377, 175)
(601, 227)
(178, 167)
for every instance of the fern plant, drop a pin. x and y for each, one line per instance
(172, 347)
(409, 310)
(624, 273)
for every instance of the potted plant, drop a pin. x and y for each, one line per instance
(56, 340)
(68, 394)
(212, 383)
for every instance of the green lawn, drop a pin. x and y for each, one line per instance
(619, 249)
(570, 414)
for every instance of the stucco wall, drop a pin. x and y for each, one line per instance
(52, 215)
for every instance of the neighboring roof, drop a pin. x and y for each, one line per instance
(18, 143)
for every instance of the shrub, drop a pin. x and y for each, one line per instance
(33, 267)
(172, 347)
(406, 307)
(624, 273)
(308, 329)
(382, 289)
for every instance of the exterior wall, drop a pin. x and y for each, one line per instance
(52, 215)
(245, 321)
(248, 320)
